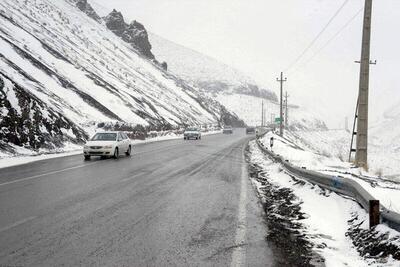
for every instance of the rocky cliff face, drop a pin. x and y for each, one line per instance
(133, 33)
(62, 74)
(85, 7)
(27, 121)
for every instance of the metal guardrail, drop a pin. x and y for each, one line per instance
(341, 185)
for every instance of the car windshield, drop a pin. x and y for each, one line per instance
(191, 129)
(104, 137)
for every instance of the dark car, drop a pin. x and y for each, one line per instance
(250, 130)
(227, 130)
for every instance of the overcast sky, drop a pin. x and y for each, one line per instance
(263, 37)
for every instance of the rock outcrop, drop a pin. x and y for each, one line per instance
(85, 7)
(133, 33)
(27, 121)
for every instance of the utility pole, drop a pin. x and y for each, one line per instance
(262, 113)
(281, 81)
(265, 119)
(361, 159)
(286, 110)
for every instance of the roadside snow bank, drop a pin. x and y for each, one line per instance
(324, 159)
(383, 150)
(327, 216)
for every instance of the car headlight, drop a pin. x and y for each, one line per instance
(85, 147)
(107, 146)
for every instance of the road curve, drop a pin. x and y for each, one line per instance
(172, 203)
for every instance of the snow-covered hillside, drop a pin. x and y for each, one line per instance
(249, 109)
(204, 71)
(383, 152)
(63, 71)
(237, 92)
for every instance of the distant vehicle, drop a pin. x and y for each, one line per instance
(250, 130)
(227, 130)
(260, 130)
(192, 133)
(107, 144)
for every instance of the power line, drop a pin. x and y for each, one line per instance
(318, 35)
(330, 40)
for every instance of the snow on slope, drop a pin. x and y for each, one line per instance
(76, 67)
(384, 145)
(249, 109)
(204, 71)
(238, 93)
(193, 65)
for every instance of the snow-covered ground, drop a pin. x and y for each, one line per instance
(322, 152)
(327, 215)
(383, 150)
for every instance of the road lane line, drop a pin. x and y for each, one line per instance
(17, 223)
(239, 253)
(75, 167)
(133, 176)
(47, 173)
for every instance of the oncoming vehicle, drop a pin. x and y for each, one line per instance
(227, 130)
(107, 144)
(250, 130)
(192, 133)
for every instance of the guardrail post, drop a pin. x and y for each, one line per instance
(374, 213)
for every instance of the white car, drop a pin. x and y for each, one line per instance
(227, 130)
(192, 133)
(107, 144)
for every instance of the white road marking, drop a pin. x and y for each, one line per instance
(133, 176)
(239, 252)
(71, 168)
(17, 223)
(45, 174)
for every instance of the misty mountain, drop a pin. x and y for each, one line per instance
(64, 71)
(237, 92)
(206, 72)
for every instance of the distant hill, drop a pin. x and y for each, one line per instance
(237, 92)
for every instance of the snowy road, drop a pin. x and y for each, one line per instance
(172, 203)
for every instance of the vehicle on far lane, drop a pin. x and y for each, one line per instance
(107, 144)
(250, 130)
(227, 130)
(192, 133)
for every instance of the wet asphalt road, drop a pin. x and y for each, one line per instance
(172, 203)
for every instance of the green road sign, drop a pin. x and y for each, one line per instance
(277, 119)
